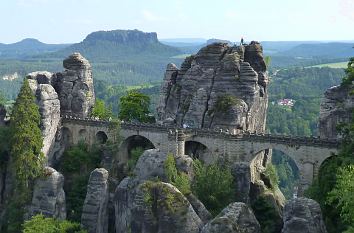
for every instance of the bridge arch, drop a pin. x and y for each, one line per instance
(308, 158)
(282, 148)
(101, 137)
(66, 137)
(197, 150)
(288, 170)
(83, 135)
(131, 143)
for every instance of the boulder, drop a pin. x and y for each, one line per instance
(49, 196)
(95, 209)
(160, 207)
(237, 217)
(151, 165)
(303, 215)
(199, 208)
(144, 203)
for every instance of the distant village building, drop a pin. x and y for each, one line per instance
(10, 77)
(286, 102)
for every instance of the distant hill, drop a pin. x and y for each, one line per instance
(324, 50)
(120, 45)
(27, 47)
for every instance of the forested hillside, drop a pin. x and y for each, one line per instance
(306, 87)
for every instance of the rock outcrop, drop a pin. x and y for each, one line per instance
(145, 203)
(65, 93)
(219, 87)
(236, 217)
(261, 189)
(49, 108)
(49, 196)
(75, 86)
(303, 215)
(336, 107)
(242, 176)
(160, 207)
(95, 209)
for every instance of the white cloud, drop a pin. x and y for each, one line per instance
(26, 3)
(150, 16)
(231, 15)
(347, 8)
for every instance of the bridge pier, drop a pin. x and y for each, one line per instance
(180, 143)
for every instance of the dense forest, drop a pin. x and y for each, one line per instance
(306, 86)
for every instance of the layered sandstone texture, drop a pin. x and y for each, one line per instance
(48, 195)
(336, 108)
(95, 209)
(303, 215)
(220, 87)
(65, 93)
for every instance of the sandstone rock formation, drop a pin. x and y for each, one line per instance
(219, 87)
(303, 215)
(49, 108)
(261, 187)
(143, 203)
(75, 86)
(49, 196)
(242, 175)
(160, 207)
(65, 93)
(95, 210)
(151, 165)
(236, 217)
(336, 107)
(199, 208)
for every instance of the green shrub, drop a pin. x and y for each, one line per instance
(179, 179)
(213, 185)
(272, 174)
(76, 165)
(41, 224)
(134, 157)
(225, 102)
(80, 159)
(342, 194)
(265, 215)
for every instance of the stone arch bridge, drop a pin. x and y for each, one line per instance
(208, 145)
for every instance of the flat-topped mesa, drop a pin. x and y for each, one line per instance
(221, 86)
(336, 108)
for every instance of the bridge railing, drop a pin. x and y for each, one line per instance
(193, 132)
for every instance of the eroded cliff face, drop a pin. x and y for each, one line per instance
(336, 107)
(219, 87)
(64, 93)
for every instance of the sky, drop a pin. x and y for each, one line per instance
(69, 21)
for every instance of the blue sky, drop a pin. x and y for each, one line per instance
(68, 21)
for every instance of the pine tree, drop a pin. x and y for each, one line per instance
(26, 137)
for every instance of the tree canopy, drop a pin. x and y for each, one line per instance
(26, 138)
(134, 107)
(101, 111)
